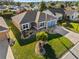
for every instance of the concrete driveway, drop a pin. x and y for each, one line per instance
(72, 36)
(5, 50)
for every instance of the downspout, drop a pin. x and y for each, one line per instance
(46, 22)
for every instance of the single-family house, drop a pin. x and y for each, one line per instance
(3, 29)
(72, 14)
(33, 20)
(2, 7)
(58, 12)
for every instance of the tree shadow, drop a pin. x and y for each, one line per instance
(23, 42)
(50, 53)
(68, 48)
(17, 34)
(53, 36)
(69, 25)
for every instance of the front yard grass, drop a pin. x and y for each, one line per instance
(73, 26)
(25, 49)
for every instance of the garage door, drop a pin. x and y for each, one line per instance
(3, 36)
(51, 23)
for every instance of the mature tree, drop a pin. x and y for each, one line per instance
(31, 4)
(62, 6)
(53, 4)
(43, 6)
(41, 36)
(18, 3)
(1, 3)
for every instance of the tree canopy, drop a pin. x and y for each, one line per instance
(41, 36)
(43, 6)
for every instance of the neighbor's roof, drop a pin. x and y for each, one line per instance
(50, 17)
(2, 7)
(2, 28)
(42, 17)
(48, 12)
(3, 25)
(57, 10)
(70, 12)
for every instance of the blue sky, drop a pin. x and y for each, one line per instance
(41, 0)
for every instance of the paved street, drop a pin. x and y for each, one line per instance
(5, 50)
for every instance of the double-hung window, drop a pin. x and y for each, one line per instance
(42, 24)
(25, 26)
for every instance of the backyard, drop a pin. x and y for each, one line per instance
(25, 49)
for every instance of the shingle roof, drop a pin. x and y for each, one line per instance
(68, 12)
(49, 17)
(3, 25)
(42, 17)
(2, 7)
(2, 28)
(57, 10)
(29, 16)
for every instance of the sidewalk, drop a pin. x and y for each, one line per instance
(9, 53)
(73, 53)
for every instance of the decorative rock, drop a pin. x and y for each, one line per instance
(39, 49)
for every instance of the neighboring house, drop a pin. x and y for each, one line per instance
(20, 9)
(3, 29)
(13, 7)
(74, 7)
(58, 12)
(36, 7)
(33, 20)
(2, 7)
(27, 7)
(72, 14)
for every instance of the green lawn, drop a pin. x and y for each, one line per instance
(73, 27)
(24, 49)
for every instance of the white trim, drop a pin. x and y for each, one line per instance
(4, 31)
(41, 26)
(25, 24)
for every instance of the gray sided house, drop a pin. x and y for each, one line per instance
(2, 8)
(33, 21)
(72, 14)
(58, 12)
